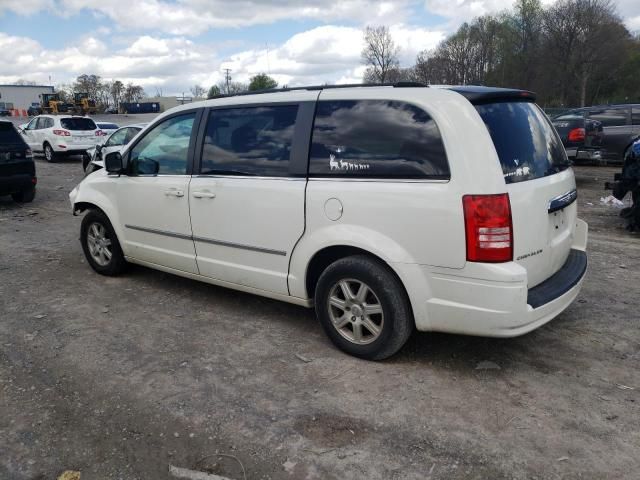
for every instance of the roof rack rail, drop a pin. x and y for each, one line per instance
(323, 87)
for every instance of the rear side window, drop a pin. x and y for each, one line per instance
(527, 144)
(611, 117)
(249, 141)
(79, 123)
(373, 138)
(8, 134)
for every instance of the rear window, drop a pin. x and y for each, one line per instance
(527, 144)
(78, 123)
(8, 134)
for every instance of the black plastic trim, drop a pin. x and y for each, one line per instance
(560, 282)
(563, 201)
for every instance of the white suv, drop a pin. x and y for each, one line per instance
(57, 135)
(386, 208)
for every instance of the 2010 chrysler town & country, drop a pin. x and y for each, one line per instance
(448, 209)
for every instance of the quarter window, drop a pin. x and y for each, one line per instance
(372, 138)
(249, 141)
(165, 148)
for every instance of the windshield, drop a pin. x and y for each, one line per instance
(78, 123)
(527, 144)
(8, 134)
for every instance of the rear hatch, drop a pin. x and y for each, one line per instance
(82, 129)
(541, 186)
(15, 156)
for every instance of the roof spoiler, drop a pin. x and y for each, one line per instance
(478, 94)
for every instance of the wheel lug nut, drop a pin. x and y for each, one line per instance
(353, 319)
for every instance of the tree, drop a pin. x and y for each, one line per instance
(262, 81)
(133, 93)
(89, 84)
(380, 54)
(197, 91)
(116, 90)
(214, 91)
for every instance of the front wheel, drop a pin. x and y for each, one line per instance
(363, 307)
(100, 244)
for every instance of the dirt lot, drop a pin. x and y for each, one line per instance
(120, 377)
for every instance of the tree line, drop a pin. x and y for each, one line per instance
(104, 93)
(572, 53)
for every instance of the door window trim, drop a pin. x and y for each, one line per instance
(190, 152)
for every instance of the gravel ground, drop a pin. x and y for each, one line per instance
(120, 377)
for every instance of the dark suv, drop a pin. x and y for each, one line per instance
(17, 170)
(620, 126)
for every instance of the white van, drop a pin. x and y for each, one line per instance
(384, 207)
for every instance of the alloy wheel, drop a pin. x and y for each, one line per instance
(355, 311)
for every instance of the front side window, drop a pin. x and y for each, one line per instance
(32, 124)
(118, 138)
(131, 132)
(610, 117)
(164, 149)
(249, 141)
(376, 138)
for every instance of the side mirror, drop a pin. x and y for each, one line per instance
(99, 147)
(113, 162)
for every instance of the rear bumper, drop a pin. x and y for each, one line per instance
(493, 299)
(15, 183)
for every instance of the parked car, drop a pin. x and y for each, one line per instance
(33, 110)
(111, 110)
(58, 135)
(621, 127)
(4, 112)
(581, 137)
(113, 143)
(107, 127)
(386, 208)
(17, 170)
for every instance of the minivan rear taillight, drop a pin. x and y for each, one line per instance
(488, 227)
(577, 135)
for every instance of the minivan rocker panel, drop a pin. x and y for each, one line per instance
(385, 208)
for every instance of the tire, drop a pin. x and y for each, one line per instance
(385, 299)
(96, 226)
(25, 196)
(49, 154)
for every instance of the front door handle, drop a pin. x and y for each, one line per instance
(204, 195)
(174, 192)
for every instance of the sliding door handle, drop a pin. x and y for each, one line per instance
(204, 195)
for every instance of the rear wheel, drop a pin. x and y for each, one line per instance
(25, 196)
(100, 244)
(363, 307)
(49, 154)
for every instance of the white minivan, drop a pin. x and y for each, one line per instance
(387, 208)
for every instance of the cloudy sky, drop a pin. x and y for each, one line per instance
(174, 44)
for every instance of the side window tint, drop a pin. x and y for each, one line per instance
(249, 141)
(635, 116)
(118, 138)
(610, 117)
(165, 148)
(376, 138)
(49, 123)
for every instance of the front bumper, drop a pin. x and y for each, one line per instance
(493, 300)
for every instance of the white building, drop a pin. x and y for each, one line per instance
(22, 96)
